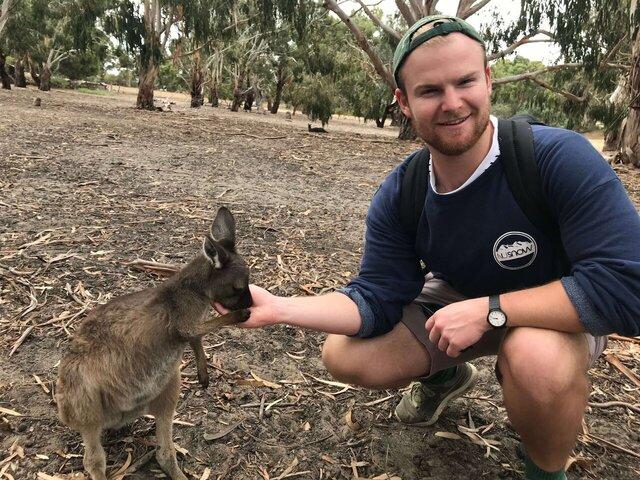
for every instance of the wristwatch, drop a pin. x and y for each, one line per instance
(496, 317)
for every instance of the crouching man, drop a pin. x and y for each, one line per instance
(500, 285)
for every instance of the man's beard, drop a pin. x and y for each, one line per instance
(452, 146)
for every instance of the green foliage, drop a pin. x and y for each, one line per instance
(169, 78)
(318, 97)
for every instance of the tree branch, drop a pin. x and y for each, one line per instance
(382, 70)
(524, 40)
(406, 12)
(473, 9)
(564, 93)
(378, 22)
(529, 75)
(416, 9)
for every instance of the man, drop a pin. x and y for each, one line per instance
(556, 305)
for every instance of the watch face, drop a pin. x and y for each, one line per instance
(497, 318)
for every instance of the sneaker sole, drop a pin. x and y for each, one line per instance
(471, 381)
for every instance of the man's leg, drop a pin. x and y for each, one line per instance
(401, 356)
(545, 390)
(392, 360)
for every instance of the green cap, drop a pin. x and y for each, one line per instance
(443, 25)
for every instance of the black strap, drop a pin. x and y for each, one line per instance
(521, 169)
(414, 190)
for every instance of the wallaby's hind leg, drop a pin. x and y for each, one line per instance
(201, 361)
(163, 407)
(95, 460)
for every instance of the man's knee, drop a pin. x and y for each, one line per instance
(335, 358)
(543, 364)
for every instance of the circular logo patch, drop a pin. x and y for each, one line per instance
(515, 250)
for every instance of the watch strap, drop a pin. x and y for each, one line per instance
(494, 302)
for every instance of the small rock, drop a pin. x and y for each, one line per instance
(37, 102)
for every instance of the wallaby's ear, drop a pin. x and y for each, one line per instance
(223, 229)
(214, 252)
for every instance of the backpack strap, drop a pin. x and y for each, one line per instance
(518, 160)
(414, 190)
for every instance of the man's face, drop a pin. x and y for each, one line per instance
(448, 91)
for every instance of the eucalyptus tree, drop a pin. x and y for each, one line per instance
(5, 11)
(203, 26)
(144, 29)
(602, 38)
(45, 33)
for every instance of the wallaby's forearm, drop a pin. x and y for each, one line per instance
(331, 313)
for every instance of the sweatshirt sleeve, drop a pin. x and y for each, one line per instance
(390, 276)
(600, 231)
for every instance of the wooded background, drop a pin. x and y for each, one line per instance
(322, 58)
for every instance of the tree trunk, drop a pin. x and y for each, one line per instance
(238, 93)
(146, 84)
(34, 74)
(45, 78)
(21, 79)
(214, 95)
(388, 109)
(197, 82)
(406, 129)
(631, 136)
(249, 98)
(4, 76)
(280, 75)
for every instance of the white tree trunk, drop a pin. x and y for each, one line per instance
(4, 14)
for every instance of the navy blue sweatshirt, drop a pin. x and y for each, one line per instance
(479, 240)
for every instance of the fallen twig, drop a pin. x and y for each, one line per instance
(20, 340)
(634, 408)
(621, 338)
(611, 444)
(615, 361)
(162, 269)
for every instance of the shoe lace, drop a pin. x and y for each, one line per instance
(420, 392)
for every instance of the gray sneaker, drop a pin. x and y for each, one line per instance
(424, 403)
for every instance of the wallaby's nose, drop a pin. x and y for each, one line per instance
(245, 300)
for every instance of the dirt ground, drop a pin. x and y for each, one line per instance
(89, 184)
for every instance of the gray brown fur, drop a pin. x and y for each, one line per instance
(124, 359)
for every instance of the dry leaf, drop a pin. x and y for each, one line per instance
(7, 411)
(353, 425)
(449, 435)
(265, 383)
(205, 475)
(209, 437)
(119, 474)
(181, 450)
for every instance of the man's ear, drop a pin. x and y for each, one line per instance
(402, 101)
(487, 74)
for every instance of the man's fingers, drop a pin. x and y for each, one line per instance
(429, 324)
(452, 352)
(443, 344)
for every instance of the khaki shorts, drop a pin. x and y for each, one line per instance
(437, 293)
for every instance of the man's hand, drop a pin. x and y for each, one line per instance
(263, 310)
(458, 325)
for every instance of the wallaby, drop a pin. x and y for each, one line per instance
(124, 359)
(316, 129)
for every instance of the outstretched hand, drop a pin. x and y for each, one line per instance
(263, 309)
